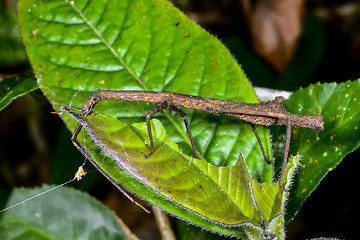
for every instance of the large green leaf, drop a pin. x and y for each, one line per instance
(76, 47)
(193, 189)
(63, 214)
(323, 151)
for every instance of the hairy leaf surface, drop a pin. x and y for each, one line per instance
(323, 151)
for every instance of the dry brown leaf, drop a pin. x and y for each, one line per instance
(275, 26)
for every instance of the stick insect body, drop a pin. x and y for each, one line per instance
(267, 114)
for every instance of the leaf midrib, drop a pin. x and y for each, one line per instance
(122, 62)
(111, 49)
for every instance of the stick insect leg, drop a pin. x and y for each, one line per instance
(183, 115)
(76, 132)
(87, 156)
(156, 109)
(260, 143)
(286, 153)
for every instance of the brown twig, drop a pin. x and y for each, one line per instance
(163, 222)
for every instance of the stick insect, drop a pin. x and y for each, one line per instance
(267, 114)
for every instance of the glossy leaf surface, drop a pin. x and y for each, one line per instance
(323, 151)
(76, 47)
(141, 45)
(193, 184)
(219, 194)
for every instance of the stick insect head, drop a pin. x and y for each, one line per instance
(90, 103)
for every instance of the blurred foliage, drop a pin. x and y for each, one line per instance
(12, 52)
(30, 220)
(310, 51)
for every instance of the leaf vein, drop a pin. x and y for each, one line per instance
(111, 49)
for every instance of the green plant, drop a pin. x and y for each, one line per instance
(76, 47)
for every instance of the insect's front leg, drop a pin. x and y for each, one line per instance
(74, 137)
(156, 109)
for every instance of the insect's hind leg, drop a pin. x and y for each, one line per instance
(183, 115)
(286, 153)
(149, 115)
(260, 144)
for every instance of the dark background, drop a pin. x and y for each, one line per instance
(326, 48)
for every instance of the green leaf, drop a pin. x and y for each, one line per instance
(268, 198)
(64, 213)
(193, 189)
(323, 151)
(12, 88)
(275, 226)
(193, 185)
(77, 47)
(141, 45)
